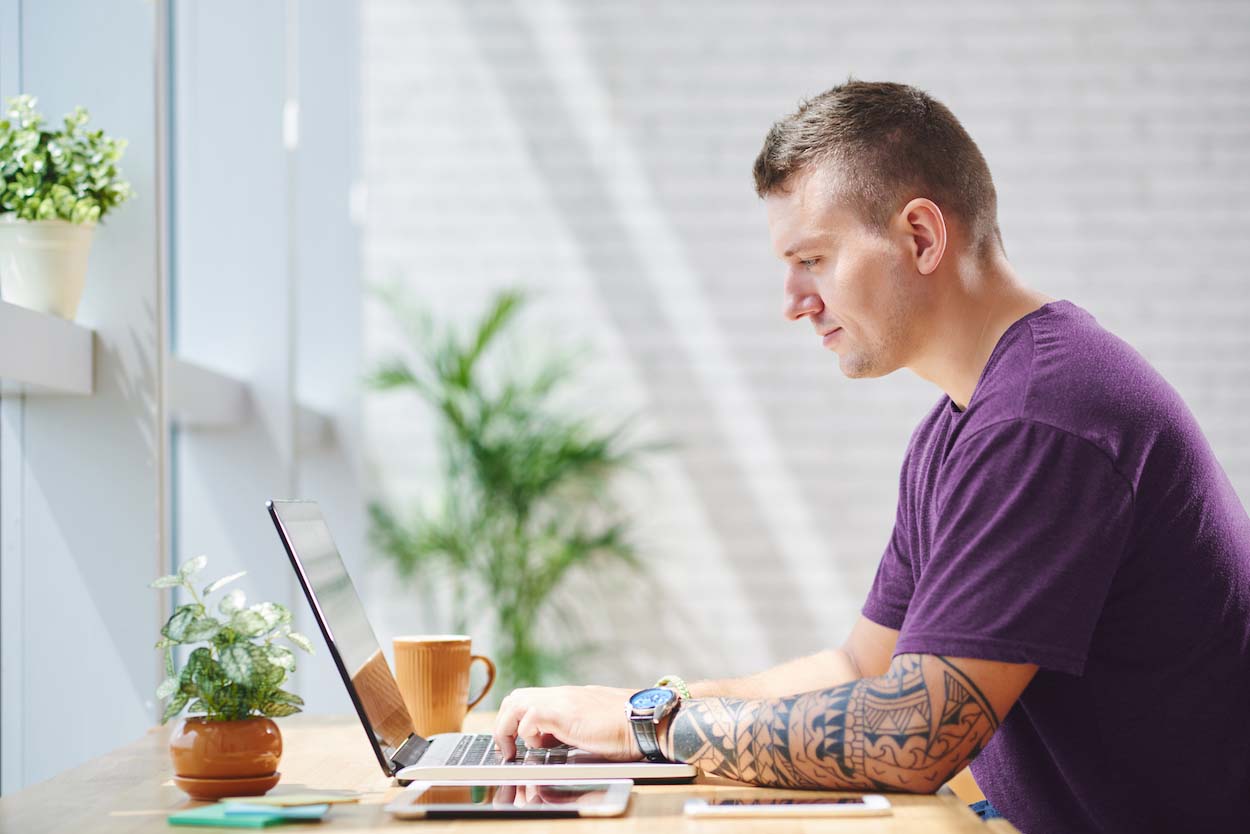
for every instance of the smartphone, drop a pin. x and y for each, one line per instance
(516, 799)
(868, 805)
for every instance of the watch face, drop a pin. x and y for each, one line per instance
(650, 699)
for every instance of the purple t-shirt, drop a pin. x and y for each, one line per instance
(1074, 516)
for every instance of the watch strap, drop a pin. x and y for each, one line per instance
(644, 732)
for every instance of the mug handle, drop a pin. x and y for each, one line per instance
(490, 679)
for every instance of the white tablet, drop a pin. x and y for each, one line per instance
(513, 798)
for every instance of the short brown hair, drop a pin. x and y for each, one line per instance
(891, 143)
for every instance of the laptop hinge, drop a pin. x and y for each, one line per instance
(409, 752)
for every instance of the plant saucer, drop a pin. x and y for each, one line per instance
(210, 790)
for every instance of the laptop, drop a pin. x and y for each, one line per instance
(401, 752)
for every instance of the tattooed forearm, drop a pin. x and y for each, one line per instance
(910, 730)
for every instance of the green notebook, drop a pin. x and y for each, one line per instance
(216, 816)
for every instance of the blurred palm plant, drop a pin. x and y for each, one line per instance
(526, 499)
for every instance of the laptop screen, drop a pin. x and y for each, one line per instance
(339, 613)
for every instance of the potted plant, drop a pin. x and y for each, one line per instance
(233, 681)
(525, 501)
(55, 186)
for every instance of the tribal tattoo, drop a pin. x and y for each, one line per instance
(911, 729)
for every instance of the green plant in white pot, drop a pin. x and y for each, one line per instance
(55, 186)
(232, 681)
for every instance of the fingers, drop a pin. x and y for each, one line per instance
(533, 715)
(533, 727)
(521, 715)
(510, 714)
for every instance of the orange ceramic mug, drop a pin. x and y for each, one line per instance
(433, 675)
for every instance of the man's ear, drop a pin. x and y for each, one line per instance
(925, 229)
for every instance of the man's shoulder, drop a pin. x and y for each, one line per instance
(1066, 371)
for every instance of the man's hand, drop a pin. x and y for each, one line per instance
(592, 718)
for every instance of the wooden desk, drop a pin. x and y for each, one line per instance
(130, 790)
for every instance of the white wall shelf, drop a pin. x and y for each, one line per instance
(314, 429)
(43, 354)
(201, 398)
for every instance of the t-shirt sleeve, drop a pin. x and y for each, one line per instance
(893, 586)
(1030, 529)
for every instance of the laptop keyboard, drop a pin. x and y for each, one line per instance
(479, 749)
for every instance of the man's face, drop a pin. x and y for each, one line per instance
(854, 284)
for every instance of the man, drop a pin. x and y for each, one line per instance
(1064, 602)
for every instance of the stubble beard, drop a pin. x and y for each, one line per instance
(860, 364)
(871, 358)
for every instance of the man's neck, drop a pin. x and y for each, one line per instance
(982, 302)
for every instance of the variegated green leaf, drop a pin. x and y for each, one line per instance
(166, 582)
(191, 568)
(301, 641)
(273, 614)
(260, 657)
(275, 710)
(236, 661)
(202, 628)
(174, 706)
(264, 672)
(274, 675)
(168, 687)
(197, 705)
(232, 602)
(225, 580)
(176, 628)
(199, 659)
(210, 680)
(248, 623)
(281, 696)
(169, 662)
(164, 643)
(281, 656)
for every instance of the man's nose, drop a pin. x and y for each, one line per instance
(801, 298)
(800, 304)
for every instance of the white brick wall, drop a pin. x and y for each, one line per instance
(600, 153)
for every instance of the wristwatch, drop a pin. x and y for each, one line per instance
(646, 710)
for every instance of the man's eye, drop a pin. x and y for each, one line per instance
(810, 262)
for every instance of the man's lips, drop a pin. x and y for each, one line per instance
(831, 336)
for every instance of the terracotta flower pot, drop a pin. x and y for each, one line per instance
(213, 759)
